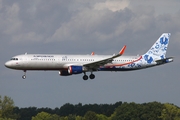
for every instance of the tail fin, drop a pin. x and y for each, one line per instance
(158, 50)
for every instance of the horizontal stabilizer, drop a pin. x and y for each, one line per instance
(166, 60)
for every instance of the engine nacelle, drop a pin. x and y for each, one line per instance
(64, 73)
(75, 69)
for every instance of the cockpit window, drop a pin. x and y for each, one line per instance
(14, 58)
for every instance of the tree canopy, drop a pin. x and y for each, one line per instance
(117, 111)
(6, 108)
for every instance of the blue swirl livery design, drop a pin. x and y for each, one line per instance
(76, 64)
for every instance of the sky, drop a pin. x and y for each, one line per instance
(80, 27)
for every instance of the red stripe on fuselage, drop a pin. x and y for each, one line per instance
(124, 63)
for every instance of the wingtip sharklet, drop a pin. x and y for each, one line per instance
(121, 52)
(92, 53)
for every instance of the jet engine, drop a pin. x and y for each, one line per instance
(75, 69)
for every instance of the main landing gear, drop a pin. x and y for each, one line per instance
(91, 76)
(24, 76)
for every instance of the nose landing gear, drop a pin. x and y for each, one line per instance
(24, 76)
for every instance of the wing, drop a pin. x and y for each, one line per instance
(97, 64)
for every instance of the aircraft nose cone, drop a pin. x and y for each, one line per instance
(8, 64)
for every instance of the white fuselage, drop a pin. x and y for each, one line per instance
(61, 62)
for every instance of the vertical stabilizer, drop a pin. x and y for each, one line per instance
(158, 50)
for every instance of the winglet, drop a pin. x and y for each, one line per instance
(122, 50)
(92, 53)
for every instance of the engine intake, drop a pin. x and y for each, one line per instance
(64, 73)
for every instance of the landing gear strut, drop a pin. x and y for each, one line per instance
(24, 76)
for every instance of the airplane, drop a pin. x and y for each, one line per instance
(76, 64)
